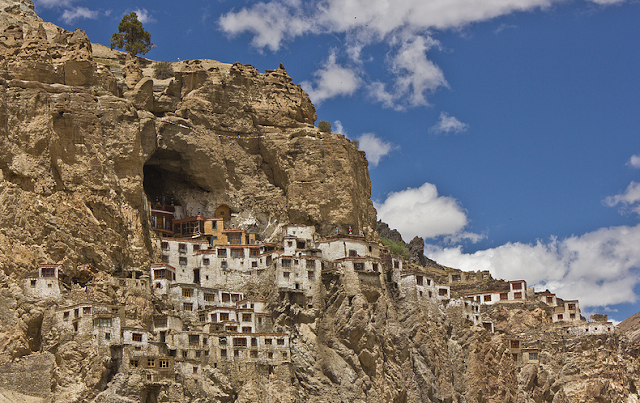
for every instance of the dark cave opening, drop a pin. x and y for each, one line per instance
(157, 171)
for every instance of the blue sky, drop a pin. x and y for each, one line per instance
(504, 132)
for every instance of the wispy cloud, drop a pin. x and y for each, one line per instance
(332, 80)
(630, 199)
(448, 124)
(78, 13)
(599, 268)
(423, 212)
(374, 147)
(54, 3)
(144, 16)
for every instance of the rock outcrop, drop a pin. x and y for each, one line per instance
(89, 137)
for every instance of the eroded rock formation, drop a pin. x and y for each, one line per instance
(88, 137)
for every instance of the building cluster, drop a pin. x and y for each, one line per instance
(206, 319)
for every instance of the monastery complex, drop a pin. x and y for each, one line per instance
(203, 315)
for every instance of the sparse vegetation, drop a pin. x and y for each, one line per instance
(324, 126)
(398, 248)
(162, 70)
(132, 36)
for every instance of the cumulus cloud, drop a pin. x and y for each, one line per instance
(374, 147)
(634, 161)
(422, 212)
(331, 80)
(448, 124)
(630, 199)
(598, 268)
(73, 14)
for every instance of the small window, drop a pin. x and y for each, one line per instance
(311, 274)
(419, 280)
(164, 363)
(223, 353)
(515, 343)
(206, 261)
(487, 298)
(560, 317)
(136, 337)
(549, 300)
(208, 297)
(358, 266)
(134, 363)
(151, 362)
(165, 245)
(187, 306)
(516, 286)
(571, 307)
(267, 342)
(182, 247)
(254, 354)
(517, 295)
(572, 316)
(65, 315)
(107, 336)
(504, 296)
(194, 339)
(286, 262)
(195, 370)
(270, 355)
(375, 267)
(285, 274)
(310, 264)
(187, 292)
(182, 260)
(185, 354)
(165, 259)
(33, 283)
(254, 264)
(533, 356)
(443, 292)
(246, 317)
(280, 342)
(285, 355)
(197, 354)
(223, 265)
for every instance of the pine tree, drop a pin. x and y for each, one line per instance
(132, 36)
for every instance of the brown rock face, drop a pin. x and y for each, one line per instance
(74, 150)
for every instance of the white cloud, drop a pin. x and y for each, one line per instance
(144, 16)
(630, 199)
(71, 15)
(415, 75)
(270, 22)
(54, 3)
(374, 147)
(598, 268)
(448, 124)
(331, 81)
(422, 212)
(634, 161)
(370, 22)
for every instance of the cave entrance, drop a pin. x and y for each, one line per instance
(158, 173)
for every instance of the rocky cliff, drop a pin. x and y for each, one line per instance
(88, 137)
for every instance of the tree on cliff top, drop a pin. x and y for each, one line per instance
(132, 36)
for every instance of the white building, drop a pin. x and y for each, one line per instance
(45, 283)
(516, 293)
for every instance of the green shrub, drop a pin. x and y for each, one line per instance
(162, 70)
(397, 248)
(324, 126)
